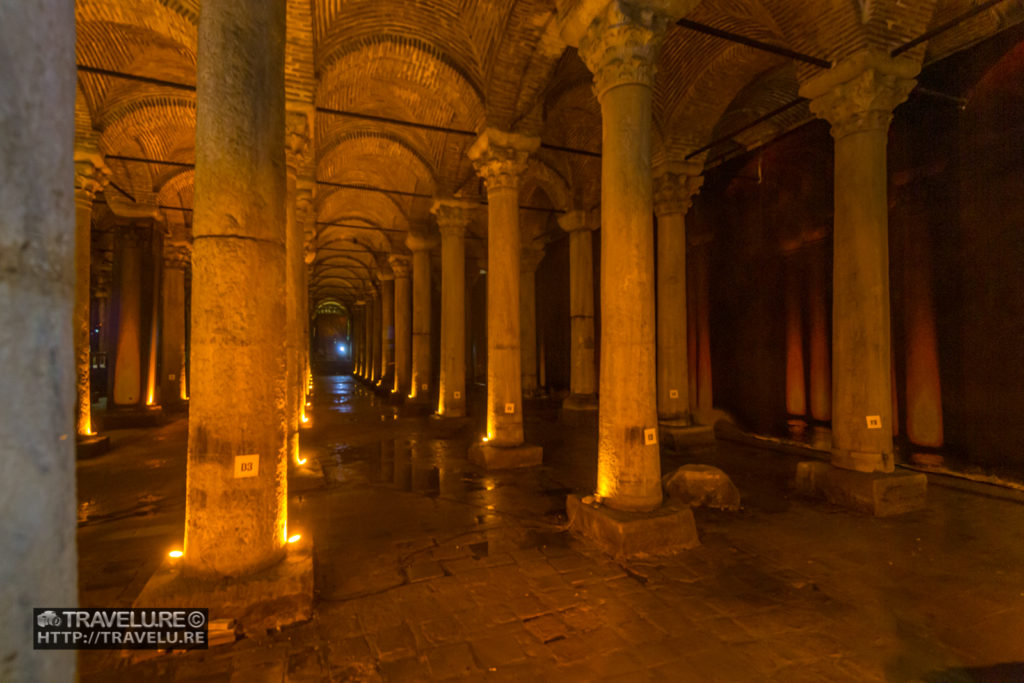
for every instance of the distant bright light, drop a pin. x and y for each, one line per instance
(292, 539)
(305, 418)
(175, 553)
(341, 349)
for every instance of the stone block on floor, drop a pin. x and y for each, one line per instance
(688, 438)
(705, 485)
(631, 534)
(91, 446)
(275, 597)
(493, 457)
(876, 493)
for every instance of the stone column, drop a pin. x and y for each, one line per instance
(620, 48)
(674, 188)
(134, 295)
(817, 320)
(452, 218)
(237, 524)
(358, 312)
(296, 138)
(304, 210)
(376, 345)
(401, 268)
(387, 329)
(528, 263)
(857, 97)
(89, 169)
(172, 347)
(796, 393)
(583, 367)
(500, 159)
(420, 247)
(37, 289)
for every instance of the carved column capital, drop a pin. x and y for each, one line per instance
(453, 215)
(572, 221)
(177, 255)
(675, 185)
(621, 46)
(500, 157)
(400, 266)
(90, 174)
(860, 93)
(420, 242)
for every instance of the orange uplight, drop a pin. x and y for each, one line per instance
(294, 538)
(175, 554)
(305, 418)
(300, 460)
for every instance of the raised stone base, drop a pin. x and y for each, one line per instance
(633, 534)
(493, 457)
(135, 416)
(881, 495)
(280, 595)
(580, 402)
(696, 485)
(91, 446)
(687, 437)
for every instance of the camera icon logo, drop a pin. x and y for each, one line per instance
(48, 618)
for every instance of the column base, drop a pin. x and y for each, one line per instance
(686, 437)
(492, 457)
(663, 531)
(876, 493)
(275, 597)
(91, 446)
(580, 402)
(860, 461)
(131, 416)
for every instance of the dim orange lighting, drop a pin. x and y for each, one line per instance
(294, 538)
(175, 553)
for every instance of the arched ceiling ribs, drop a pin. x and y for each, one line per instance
(541, 177)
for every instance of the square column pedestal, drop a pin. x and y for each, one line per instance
(663, 531)
(277, 596)
(492, 457)
(876, 493)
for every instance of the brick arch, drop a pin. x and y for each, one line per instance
(158, 127)
(336, 205)
(340, 143)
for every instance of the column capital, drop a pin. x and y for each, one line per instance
(420, 242)
(90, 174)
(572, 221)
(621, 45)
(860, 93)
(500, 157)
(177, 255)
(400, 266)
(453, 215)
(297, 125)
(529, 260)
(675, 186)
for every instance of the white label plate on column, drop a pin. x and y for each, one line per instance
(457, 394)
(874, 421)
(650, 436)
(423, 387)
(673, 393)
(247, 466)
(510, 408)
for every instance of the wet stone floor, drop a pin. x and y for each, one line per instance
(427, 568)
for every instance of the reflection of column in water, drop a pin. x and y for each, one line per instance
(450, 481)
(386, 469)
(403, 464)
(425, 475)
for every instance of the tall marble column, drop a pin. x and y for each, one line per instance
(236, 522)
(817, 321)
(376, 343)
(358, 337)
(401, 268)
(857, 97)
(528, 263)
(89, 169)
(387, 329)
(452, 218)
(620, 47)
(500, 159)
(173, 381)
(296, 139)
(420, 382)
(583, 362)
(37, 289)
(674, 188)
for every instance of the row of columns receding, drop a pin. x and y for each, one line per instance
(246, 336)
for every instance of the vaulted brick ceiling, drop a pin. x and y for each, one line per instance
(462, 65)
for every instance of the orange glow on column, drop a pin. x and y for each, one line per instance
(820, 370)
(796, 393)
(704, 397)
(924, 392)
